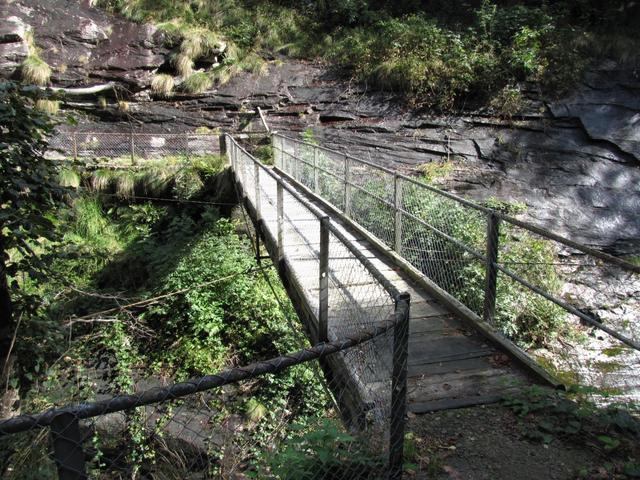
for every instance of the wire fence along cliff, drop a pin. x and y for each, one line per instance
(359, 332)
(523, 280)
(130, 148)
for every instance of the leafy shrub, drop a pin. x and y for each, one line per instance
(508, 102)
(323, 450)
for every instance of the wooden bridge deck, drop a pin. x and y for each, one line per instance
(450, 363)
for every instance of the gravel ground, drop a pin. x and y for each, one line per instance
(487, 442)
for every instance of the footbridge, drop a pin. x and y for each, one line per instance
(342, 277)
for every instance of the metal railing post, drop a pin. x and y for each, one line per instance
(491, 277)
(256, 184)
(280, 214)
(75, 147)
(133, 151)
(347, 187)
(316, 157)
(67, 447)
(399, 386)
(276, 145)
(397, 222)
(222, 145)
(323, 308)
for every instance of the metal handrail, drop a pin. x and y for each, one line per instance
(504, 217)
(492, 263)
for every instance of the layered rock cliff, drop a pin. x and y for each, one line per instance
(575, 162)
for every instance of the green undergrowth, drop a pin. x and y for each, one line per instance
(213, 309)
(431, 53)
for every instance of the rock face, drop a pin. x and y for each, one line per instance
(574, 162)
(83, 45)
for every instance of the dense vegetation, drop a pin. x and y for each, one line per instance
(436, 53)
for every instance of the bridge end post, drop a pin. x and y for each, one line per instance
(399, 386)
(67, 447)
(222, 142)
(280, 216)
(323, 307)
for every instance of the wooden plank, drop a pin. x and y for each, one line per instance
(447, 357)
(453, 385)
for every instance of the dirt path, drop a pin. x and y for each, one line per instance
(491, 442)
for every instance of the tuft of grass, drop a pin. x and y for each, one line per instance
(254, 63)
(223, 74)
(162, 84)
(101, 180)
(69, 178)
(35, 71)
(198, 82)
(183, 64)
(125, 184)
(433, 171)
(91, 226)
(198, 42)
(156, 180)
(50, 107)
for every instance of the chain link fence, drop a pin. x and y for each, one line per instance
(102, 148)
(534, 286)
(358, 325)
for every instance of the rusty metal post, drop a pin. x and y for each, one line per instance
(222, 146)
(133, 150)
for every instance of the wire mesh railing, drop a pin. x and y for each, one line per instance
(521, 279)
(130, 148)
(343, 293)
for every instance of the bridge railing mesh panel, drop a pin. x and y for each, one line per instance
(356, 298)
(530, 284)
